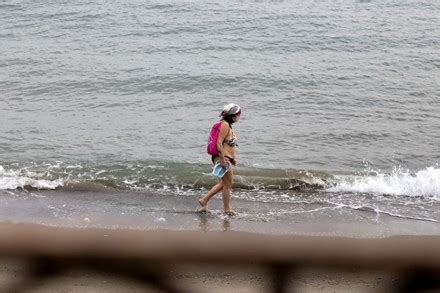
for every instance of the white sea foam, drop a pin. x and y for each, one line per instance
(160, 220)
(11, 179)
(424, 182)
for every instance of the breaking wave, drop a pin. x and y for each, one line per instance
(149, 175)
(425, 182)
(15, 179)
(177, 177)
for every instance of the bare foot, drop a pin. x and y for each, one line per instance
(203, 207)
(230, 212)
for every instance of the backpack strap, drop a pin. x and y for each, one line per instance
(229, 130)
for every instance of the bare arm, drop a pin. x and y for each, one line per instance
(224, 130)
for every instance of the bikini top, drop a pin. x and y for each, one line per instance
(233, 141)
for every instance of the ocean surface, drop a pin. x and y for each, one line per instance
(341, 109)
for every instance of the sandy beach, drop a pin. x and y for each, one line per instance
(105, 214)
(167, 210)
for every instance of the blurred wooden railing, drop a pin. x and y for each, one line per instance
(139, 255)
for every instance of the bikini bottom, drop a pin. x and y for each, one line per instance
(232, 160)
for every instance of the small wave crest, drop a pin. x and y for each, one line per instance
(10, 180)
(425, 182)
(159, 176)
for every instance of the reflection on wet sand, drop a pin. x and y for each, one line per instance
(204, 224)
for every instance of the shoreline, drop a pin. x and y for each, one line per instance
(150, 211)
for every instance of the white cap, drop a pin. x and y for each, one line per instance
(231, 109)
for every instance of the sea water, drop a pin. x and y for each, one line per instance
(341, 99)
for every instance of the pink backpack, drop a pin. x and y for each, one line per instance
(213, 137)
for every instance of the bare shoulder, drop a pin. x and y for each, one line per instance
(224, 129)
(224, 126)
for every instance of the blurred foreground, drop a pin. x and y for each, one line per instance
(41, 259)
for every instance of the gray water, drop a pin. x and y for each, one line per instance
(338, 97)
(324, 85)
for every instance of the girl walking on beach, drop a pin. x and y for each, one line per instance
(223, 151)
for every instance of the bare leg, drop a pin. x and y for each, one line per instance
(227, 186)
(203, 201)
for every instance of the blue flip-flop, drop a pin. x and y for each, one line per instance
(219, 170)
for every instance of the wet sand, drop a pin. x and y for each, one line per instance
(149, 211)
